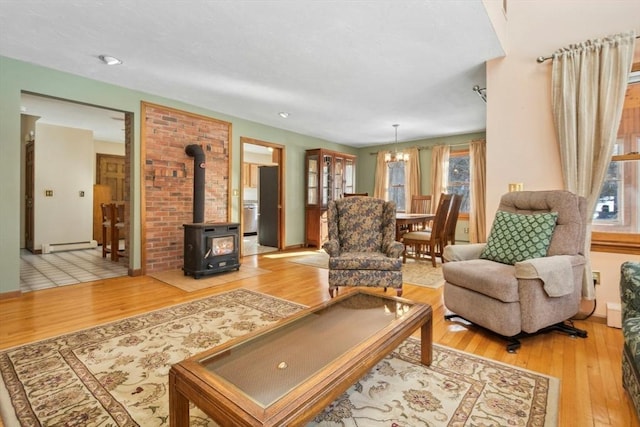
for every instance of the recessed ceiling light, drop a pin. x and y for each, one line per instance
(110, 60)
(283, 114)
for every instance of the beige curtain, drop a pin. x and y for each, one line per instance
(589, 82)
(412, 176)
(478, 175)
(380, 183)
(439, 173)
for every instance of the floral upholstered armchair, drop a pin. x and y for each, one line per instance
(362, 247)
(630, 297)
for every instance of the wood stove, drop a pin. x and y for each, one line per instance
(210, 248)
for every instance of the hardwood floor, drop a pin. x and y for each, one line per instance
(589, 369)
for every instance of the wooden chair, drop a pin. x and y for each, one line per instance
(430, 242)
(107, 232)
(452, 221)
(420, 204)
(118, 231)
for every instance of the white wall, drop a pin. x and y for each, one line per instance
(64, 160)
(521, 142)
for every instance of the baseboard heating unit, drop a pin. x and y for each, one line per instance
(58, 247)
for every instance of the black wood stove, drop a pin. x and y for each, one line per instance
(209, 248)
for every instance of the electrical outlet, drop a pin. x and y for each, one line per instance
(466, 230)
(596, 277)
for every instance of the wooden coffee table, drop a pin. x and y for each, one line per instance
(287, 373)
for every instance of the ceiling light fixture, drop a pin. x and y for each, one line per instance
(109, 60)
(283, 114)
(396, 156)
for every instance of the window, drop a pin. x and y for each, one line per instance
(459, 179)
(396, 184)
(616, 221)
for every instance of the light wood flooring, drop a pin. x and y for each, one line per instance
(589, 369)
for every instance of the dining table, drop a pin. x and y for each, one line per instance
(404, 221)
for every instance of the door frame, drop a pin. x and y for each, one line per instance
(29, 173)
(128, 121)
(279, 155)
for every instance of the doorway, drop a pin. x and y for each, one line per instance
(110, 132)
(261, 196)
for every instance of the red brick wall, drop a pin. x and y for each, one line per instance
(168, 179)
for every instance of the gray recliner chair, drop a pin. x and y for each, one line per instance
(528, 277)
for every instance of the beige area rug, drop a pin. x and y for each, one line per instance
(420, 273)
(117, 374)
(190, 284)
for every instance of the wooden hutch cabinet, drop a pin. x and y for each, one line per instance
(329, 174)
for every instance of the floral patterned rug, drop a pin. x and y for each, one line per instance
(117, 374)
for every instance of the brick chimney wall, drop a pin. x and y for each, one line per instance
(168, 179)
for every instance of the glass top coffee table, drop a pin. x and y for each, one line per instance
(288, 372)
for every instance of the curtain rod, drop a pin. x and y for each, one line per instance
(541, 59)
(428, 147)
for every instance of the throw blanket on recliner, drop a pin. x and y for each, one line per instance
(555, 272)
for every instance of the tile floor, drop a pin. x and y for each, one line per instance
(250, 246)
(66, 268)
(71, 267)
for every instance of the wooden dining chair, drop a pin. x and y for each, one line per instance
(429, 242)
(107, 220)
(420, 203)
(118, 233)
(452, 221)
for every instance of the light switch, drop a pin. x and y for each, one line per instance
(517, 186)
(81, 193)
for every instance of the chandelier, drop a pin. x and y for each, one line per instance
(396, 156)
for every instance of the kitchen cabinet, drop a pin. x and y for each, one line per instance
(250, 175)
(328, 175)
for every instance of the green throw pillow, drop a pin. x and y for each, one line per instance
(516, 237)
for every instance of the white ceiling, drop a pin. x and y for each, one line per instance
(344, 70)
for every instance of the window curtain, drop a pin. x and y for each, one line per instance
(439, 173)
(589, 81)
(380, 183)
(478, 174)
(412, 176)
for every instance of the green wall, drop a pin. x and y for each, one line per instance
(17, 76)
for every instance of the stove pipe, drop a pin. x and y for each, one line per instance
(196, 152)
